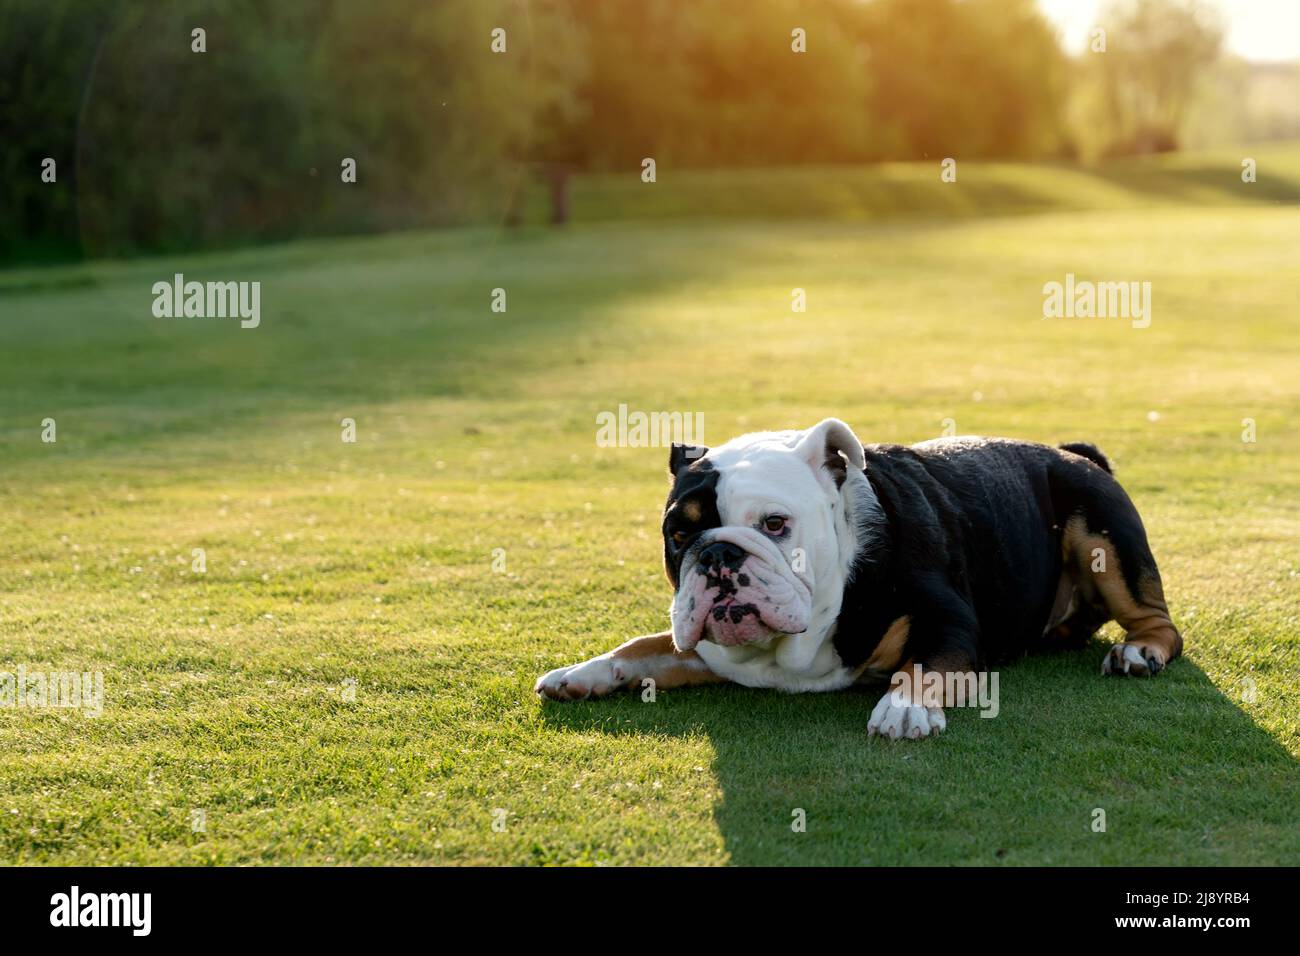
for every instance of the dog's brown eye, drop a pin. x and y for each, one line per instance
(679, 537)
(773, 523)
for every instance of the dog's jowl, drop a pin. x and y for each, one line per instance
(804, 561)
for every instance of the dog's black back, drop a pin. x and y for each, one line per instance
(979, 545)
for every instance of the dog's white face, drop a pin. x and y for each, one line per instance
(758, 538)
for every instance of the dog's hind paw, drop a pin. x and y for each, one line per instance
(1134, 660)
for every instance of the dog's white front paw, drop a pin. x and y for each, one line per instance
(898, 719)
(594, 678)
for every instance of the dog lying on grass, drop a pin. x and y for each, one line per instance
(804, 561)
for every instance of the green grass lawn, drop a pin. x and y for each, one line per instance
(331, 563)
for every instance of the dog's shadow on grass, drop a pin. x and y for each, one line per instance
(1075, 768)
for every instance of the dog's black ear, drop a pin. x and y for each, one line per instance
(682, 456)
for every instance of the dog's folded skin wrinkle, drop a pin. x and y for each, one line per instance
(806, 561)
(737, 588)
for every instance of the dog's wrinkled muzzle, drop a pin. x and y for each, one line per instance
(736, 587)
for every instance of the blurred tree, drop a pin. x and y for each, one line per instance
(887, 79)
(1135, 97)
(177, 149)
(983, 78)
(712, 84)
(48, 50)
(160, 147)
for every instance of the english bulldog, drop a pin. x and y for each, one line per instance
(806, 561)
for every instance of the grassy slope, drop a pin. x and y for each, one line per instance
(910, 191)
(372, 561)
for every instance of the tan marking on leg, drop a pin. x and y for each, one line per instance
(904, 710)
(655, 657)
(1077, 559)
(1063, 605)
(907, 681)
(950, 661)
(884, 659)
(1145, 617)
(688, 671)
(652, 645)
(951, 677)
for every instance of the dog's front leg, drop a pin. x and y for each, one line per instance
(933, 655)
(649, 658)
(906, 712)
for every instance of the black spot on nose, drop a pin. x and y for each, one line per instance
(721, 554)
